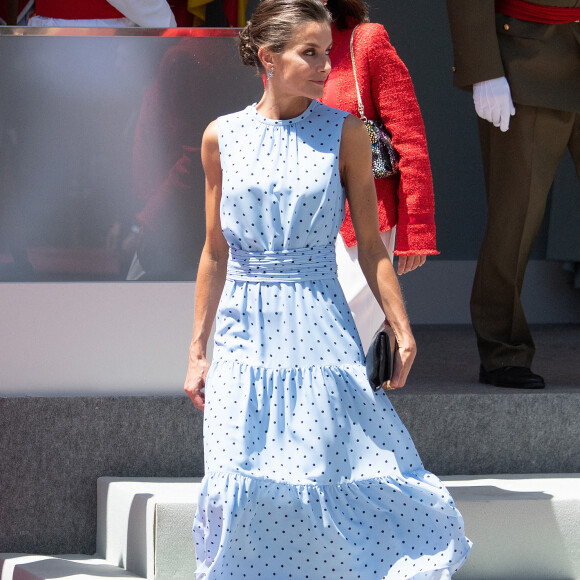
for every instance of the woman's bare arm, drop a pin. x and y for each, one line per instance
(212, 270)
(357, 177)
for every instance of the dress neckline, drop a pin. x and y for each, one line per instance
(267, 121)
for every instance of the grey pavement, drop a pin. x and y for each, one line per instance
(447, 360)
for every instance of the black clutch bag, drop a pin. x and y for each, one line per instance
(380, 357)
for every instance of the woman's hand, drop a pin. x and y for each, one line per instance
(195, 381)
(407, 264)
(404, 357)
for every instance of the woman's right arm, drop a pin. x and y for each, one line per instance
(212, 270)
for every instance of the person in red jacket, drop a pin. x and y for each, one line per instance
(405, 200)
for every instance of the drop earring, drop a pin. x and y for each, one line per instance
(270, 73)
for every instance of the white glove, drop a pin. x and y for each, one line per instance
(493, 102)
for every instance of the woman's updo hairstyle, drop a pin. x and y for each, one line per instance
(273, 24)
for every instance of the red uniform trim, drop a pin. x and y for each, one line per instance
(77, 9)
(537, 13)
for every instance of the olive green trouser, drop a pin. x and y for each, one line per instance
(519, 168)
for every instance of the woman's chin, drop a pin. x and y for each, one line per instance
(317, 92)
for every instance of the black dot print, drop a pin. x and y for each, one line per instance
(308, 473)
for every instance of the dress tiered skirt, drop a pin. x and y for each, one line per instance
(309, 473)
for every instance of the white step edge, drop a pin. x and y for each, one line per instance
(126, 512)
(73, 566)
(523, 527)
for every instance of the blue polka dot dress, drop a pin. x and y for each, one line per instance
(308, 473)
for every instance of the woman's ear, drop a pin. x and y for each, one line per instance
(265, 57)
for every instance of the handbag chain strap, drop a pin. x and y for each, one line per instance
(361, 110)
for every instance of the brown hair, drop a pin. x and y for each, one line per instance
(273, 24)
(342, 10)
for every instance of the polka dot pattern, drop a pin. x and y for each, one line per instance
(309, 473)
(281, 183)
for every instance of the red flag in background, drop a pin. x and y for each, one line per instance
(235, 11)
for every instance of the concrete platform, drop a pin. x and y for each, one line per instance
(462, 427)
(523, 527)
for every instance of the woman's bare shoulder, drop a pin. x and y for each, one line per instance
(352, 126)
(211, 131)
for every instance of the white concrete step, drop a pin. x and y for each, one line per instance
(144, 525)
(143, 531)
(77, 567)
(524, 527)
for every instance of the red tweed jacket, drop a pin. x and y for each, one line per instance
(387, 92)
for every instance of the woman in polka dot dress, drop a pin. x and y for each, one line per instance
(308, 473)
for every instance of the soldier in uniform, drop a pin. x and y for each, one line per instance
(522, 61)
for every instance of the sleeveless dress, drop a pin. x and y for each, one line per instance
(308, 473)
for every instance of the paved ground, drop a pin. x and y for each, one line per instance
(447, 359)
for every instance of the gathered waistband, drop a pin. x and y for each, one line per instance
(293, 265)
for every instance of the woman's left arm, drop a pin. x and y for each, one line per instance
(358, 181)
